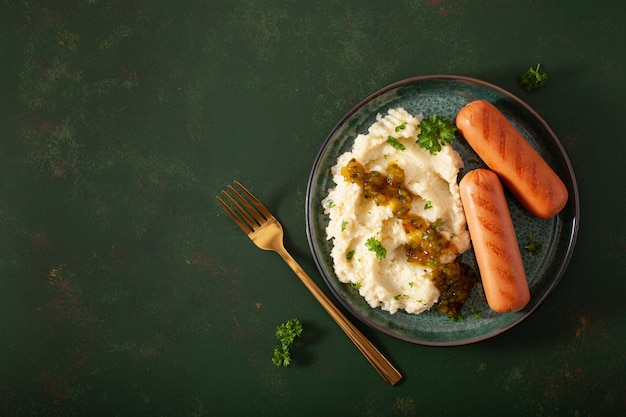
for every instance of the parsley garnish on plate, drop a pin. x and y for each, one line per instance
(438, 223)
(375, 246)
(395, 143)
(456, 318)
(533, 246)
(435, 131)
(475, 313)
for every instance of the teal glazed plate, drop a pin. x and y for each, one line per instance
(444, 95)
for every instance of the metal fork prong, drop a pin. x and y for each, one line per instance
(244, 226)
(252, 224)
(255, 201)
(251, 210)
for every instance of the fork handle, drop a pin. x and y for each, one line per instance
(380, 363)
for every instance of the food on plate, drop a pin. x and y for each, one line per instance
(396, 219)
(520, 168)
(532, 245)
(493, 239)
(434, 132)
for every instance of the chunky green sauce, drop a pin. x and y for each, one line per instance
(425, 244)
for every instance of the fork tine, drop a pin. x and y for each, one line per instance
(251, 210)
(252, 224)
(255, 201)
(245, 227)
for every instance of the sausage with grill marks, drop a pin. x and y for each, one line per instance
(505, 151)
(494, 241)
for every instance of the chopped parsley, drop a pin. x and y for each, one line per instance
(343, 225)
(428, 205)
(395, 143)
(475, 313)
(350, 255)
(375, 246)
(533, 246)
(435, 131)
(330, 204)
(455, 317)
(356, 285)
(401, 127)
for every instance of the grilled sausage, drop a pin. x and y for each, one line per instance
(494, 241)
(505, 151)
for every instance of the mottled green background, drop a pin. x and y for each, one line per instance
(126, 291)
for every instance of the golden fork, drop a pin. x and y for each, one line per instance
(267, 233)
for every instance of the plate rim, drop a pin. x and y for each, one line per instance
(572, 238)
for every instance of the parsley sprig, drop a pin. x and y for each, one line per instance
(435, 131)
(375, 246)
(533, 78)
(286, 333)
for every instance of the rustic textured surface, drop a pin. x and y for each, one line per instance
(124, 288)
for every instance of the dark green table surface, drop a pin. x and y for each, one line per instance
(126, 291)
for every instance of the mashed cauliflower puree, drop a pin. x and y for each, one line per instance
(389, 280)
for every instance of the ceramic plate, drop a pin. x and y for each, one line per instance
(444, 95)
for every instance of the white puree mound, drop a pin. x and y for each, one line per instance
(393, 283)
